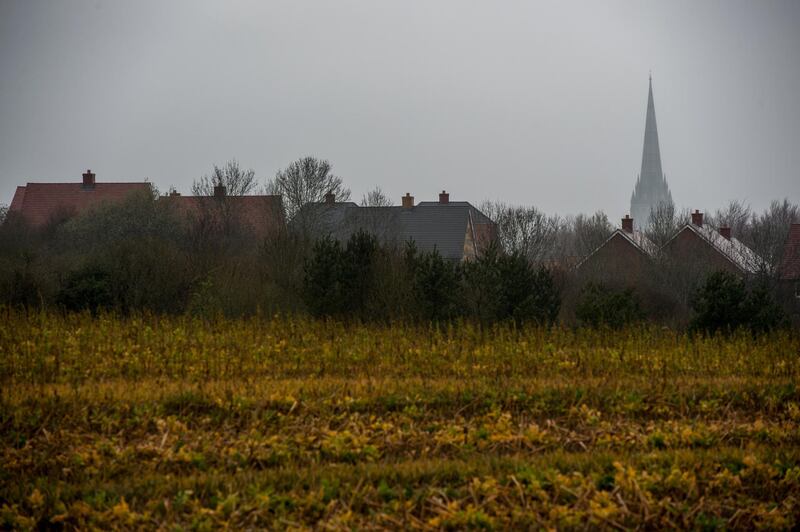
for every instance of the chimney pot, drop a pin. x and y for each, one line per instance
(725, 232)
(408, 201)
(444, 197)
(88, 179)
(627, 224)
(330, 197)
(219, 191)
(697, 218)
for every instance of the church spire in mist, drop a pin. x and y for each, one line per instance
(651, 187)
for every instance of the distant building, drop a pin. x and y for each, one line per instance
(261, 216)
(456, 229)
(692, 252)
(790, 265)
(622, 259)
(703, 249)
(651, 187)
(37, 204)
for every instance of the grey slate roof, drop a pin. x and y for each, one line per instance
(477, 216)
(431, 225)
(443, 227)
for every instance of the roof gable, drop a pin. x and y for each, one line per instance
(37, 203)
(263, 214)
(741, 256)
(18, 200)
(430, 225)
(638, 240)
(477, 216)
(440, 227)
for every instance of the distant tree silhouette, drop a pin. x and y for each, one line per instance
(237, 181)
(524, 230)
(306, 180)
(375, 198)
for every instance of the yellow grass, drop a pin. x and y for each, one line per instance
(163, 422)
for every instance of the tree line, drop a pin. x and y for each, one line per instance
(142, 255)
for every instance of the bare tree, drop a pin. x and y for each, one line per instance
(213, 222)
(767, 232)
(237, 181)
(3, 212)
(577, 236)
(306, 180)
(664, 222)
(589, 232)
(375, 198)
(524, 230)
(735, 215)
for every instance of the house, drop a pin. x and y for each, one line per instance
(790, 265)
(622, 259)
(38, 204)
(260, 216)
(702, 249)
(456, 229)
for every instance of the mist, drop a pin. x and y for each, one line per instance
(530, 103)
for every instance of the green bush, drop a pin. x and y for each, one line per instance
(528, 294)
(435, 282)
(764, 312)
(603, 306)
(338, 280)
(357, 273)
(90, 288)
(20, 285)
(323, 289)
(723, 304)
(499, 286)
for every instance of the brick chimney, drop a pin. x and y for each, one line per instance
(627, 224)
(408, 201)
(697, 218)
(444, 197)
(726, 232)
(173, 193)
(219, 191)
(330, 197)
(88, 179)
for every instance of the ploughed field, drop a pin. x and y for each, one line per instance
(172, 422)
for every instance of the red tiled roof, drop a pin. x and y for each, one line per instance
(732, 249)
(18, 200)
(790, 266)
(38, 203)
(637, 239)
(262, 214)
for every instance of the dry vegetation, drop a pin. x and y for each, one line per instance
(164, 422)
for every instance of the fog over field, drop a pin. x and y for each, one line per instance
(527, 102)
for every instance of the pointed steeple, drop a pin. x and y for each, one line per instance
(651, 187)
(651, 154)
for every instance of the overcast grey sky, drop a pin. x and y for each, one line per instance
(538, 103)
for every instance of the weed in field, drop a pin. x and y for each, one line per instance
(149, 422)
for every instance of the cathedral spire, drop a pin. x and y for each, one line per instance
(651, 187)
(651, 154)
